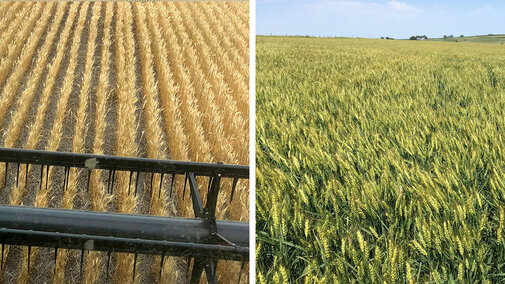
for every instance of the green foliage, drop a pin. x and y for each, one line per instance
(379, 161)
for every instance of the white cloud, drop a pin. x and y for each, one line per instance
(360, 8)
(402, 6)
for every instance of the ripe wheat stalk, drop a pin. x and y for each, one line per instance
(80, 128)
(21, 65)
(213, 68)
(127, 121)
(233, 121)
(23, 104)
(11, 29)
(8, 17)
(239, 37)
(16, 45)
(214, 18)
(177, 146)
(42, 197)
(53, 69)
(96, 260)
(10, 89)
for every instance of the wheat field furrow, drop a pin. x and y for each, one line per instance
(237, 53)
(9, 15)
(231, 76)
(10, 27)
(221, 60)
(80, 129)
(75, 71)
(99, 198)
(154, 133)
(15, 46)
(127, 144)
(229, 19)
(212, 121)
(233, 118)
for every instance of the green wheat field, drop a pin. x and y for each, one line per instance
(380, 161)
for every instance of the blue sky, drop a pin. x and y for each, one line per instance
(366, 18)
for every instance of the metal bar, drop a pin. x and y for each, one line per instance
(5, 177)
(41, 175)
(71, 229)
(196, 272)
(90, 161)
(212, 201)
(210, 270)
(172, 185)
(195, 196)
(88, 180)
(126, 245)
(26, 175)
(235, 180)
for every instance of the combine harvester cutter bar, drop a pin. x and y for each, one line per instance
(203, 238)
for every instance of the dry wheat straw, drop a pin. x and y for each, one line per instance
(236, 49)
(80, 129)
(42, 196)
(218, 75)
(241, 10)
(8, 20)
(127, 121)
(233, 78)
(17, 44)
(228, 19)
(232, 20)
(213, 121)
(177, 140)
(234, 126)
(199, 147)
(11, 29)
(25, 59)
(154, 135)
(35, 128)
(17, 191)
(53, 69)
(95, 260)
(24, 103)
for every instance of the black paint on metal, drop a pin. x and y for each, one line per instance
(203, 239)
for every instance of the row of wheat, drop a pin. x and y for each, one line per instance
(160, 80)
(379, 162)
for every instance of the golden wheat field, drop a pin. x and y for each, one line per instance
(166, 80)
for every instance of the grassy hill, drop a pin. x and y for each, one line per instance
(500, 39)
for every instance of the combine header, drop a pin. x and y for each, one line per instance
(202, 239)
